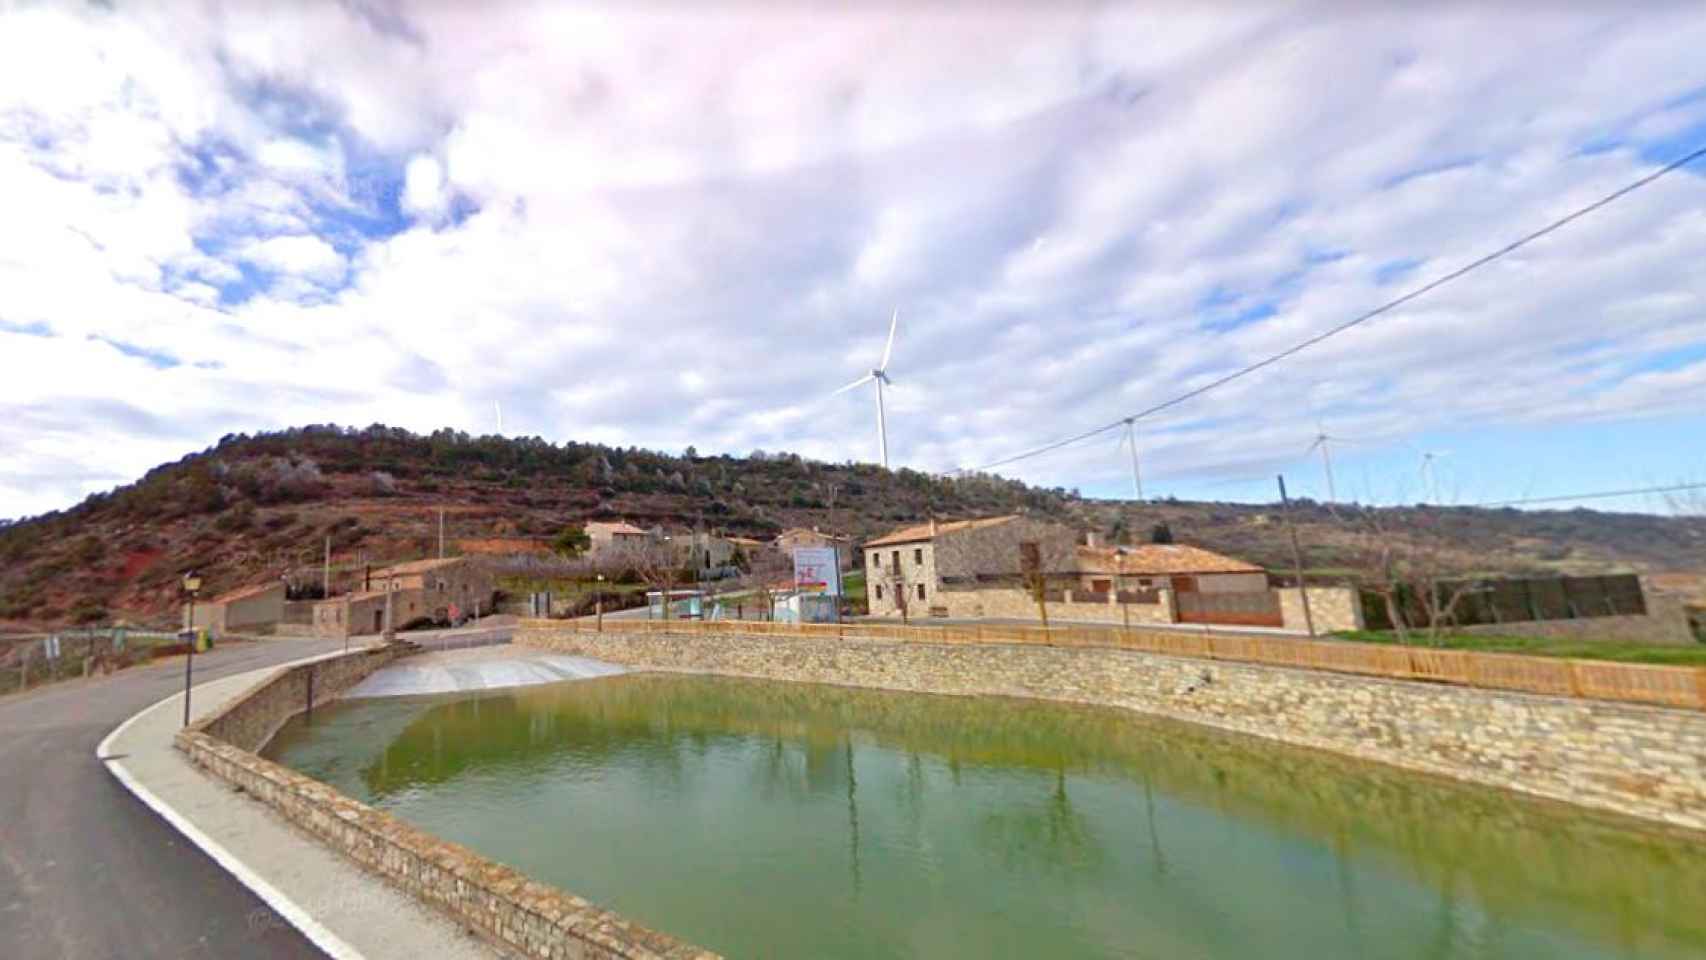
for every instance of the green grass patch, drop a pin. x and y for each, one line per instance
(1616, 650)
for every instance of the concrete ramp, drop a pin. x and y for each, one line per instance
(481, 668)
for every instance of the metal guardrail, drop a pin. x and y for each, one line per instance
(1670, 686)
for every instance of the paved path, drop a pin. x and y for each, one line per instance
(86, 871)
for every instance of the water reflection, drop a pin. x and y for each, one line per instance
(782, 819)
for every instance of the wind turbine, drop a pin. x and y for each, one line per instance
(1322, 439)
(1429, 481)
(498, 408)
(1131, 439)
(879, 375)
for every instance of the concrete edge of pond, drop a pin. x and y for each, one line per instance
(478, 670)
(341, 908)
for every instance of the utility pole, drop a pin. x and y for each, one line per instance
(326, 572)
(441, 533)
(1136, 478)
(1297, 556)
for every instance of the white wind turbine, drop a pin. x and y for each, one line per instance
(1322, 439)
(1430, 483)
(880, 376)
(1130, 438)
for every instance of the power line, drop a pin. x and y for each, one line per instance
(1384, 308)
(1598, 495)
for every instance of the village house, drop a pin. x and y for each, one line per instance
(252, 608)
(709, 554)
(440, 590)
(927, 567)
(788, 540)
(612, 540)
(1170, 566)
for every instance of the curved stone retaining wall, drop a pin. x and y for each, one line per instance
(522, 915)
(1648, 762)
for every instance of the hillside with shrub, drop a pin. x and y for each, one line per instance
(260, 507)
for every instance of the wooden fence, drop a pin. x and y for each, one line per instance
(1670, 686)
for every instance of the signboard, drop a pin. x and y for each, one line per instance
(816, 570)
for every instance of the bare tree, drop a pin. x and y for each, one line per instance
(1418, 563)
(765, 570)
(659, 564)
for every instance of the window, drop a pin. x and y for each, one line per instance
(921, 591)
(876, 560)
(895, 556)
(918, 555)
(879, 591)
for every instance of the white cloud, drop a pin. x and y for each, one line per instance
(423, 188)
(302, 257)
(684, 227)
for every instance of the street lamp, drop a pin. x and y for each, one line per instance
(192, 586)
(598, 600)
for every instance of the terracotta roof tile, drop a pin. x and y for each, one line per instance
(243, 593)
(416, 566)
(1159, 558)
(921, 531)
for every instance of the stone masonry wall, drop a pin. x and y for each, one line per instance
(1647, 762)
(521, 915)
(1331, 608)
(250, 720)
(1017, 603)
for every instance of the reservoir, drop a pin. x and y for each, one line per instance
(768, 819)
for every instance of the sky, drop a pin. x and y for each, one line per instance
(667, 225)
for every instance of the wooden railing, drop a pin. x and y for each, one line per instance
(1670, 686)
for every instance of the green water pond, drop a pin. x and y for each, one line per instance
(764, 819)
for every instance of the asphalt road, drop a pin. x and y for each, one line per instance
(87, 871)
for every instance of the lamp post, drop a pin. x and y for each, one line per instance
(598, 601)
(192, 586)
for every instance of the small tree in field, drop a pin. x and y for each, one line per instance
(571, 542)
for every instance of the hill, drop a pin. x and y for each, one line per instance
(258, 507)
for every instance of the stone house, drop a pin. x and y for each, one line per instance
(612, 540)
(249, 608)
(1166, 566)
(920, 566)
(794, 537)
(708, 554)
(441, 590)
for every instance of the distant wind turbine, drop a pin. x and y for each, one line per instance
(1322, 439)
(880, 376)
(1131, 440)
(498, 407)
(1430, 483)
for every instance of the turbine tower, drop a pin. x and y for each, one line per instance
(1136, 478)
(1430, 483)
(1322, 439)
(880, 376)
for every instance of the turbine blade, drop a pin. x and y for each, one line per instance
(867, 378)
(888, 349)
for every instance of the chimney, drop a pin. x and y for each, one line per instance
(932, 526)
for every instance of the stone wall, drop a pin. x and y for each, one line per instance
(1646, 762)
(1331, 608)
(528, 917)
(251, 719)
(520, 915)
(1018, 604)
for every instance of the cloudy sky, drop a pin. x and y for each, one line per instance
(687, 224)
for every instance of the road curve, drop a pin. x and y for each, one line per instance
(87, 871)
